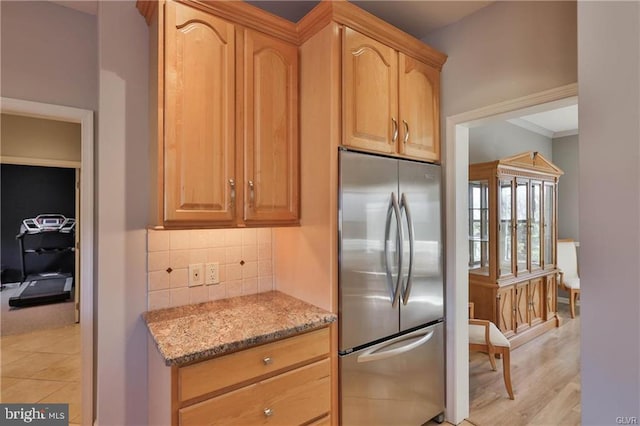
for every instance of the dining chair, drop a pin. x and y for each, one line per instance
(485, 337)
(569, 278)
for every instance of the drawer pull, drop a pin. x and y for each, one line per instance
(268, 412)
(267, 361)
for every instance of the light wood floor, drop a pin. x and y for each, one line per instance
(42, 366)
(545, 375)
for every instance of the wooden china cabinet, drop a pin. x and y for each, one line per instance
(512, 244)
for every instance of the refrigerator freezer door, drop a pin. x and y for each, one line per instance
(423, 299)
(397, 382)
(368, 272)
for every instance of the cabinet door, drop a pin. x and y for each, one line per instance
(551, 295)
(522, 306)
(199, 117)
(536, 301)
(419, 106)
(506, 310)
(505, 227)
(535, 220)
(271, 177)
(549, 225)
(370, 94)
(522, 226)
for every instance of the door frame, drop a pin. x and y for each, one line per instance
(83, 117)
(456, 171)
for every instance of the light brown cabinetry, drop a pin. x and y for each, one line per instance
(512, 240)
(286, 382)
(270, 129)
(390, 100)
(226, 127)
(199, 122)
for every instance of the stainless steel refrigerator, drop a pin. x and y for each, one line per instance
(391, 339)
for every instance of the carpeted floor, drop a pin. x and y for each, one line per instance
(25, 320)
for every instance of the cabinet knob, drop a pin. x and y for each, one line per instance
(268, 412)
(267, 361)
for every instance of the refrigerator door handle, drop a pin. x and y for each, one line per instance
(400, 245)
(387, 232)
(393, 208)
(404, 204)
(373, 353)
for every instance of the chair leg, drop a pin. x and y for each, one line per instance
(492, 360)
(506, 369)
(572, 302)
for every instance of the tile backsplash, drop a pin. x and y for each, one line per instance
(244, 257)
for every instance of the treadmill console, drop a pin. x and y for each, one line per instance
(47, 223)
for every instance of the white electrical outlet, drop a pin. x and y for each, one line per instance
(212, 273)
(195, 275)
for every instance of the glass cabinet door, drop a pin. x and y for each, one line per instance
(548, 223)
(522, 225)
(535, 228)
(505, 219)
(479, 227)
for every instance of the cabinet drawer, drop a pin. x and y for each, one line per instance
(325, 421)
(292, 398)
(218, 373)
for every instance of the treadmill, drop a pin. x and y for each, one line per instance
(45, 287)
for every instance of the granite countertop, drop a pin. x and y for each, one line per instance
(193, 332)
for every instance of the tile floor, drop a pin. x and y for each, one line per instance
(42, 366)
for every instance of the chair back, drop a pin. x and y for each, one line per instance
(568, 259)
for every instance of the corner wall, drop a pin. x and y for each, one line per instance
(121, 214)
(609, 107)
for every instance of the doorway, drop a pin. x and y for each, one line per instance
(457, 283)
(83, 176)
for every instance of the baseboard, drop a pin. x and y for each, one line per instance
(565, 300)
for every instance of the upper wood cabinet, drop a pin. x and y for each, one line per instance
(419, 109)
(390, 100)
(199, 143)
(270, 129)
(226, 127)
(370, 73)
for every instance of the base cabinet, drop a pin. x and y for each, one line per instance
(286, 382)
(292, 398)
(521, 310)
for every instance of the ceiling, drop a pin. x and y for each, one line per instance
(86, 6)
(416, 17)
(552, 124)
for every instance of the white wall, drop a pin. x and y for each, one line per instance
(565, 156)
(502, 139)
(506, 50)
(609, 107)
(48, 54)
(122, 214)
